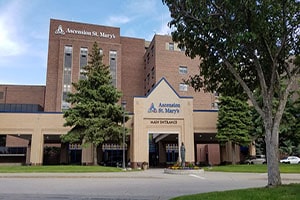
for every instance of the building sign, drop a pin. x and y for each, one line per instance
(61, 31)
(167, 122)
(173, 108)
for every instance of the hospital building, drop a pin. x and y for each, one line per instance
(163, 110)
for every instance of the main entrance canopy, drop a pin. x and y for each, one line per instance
(163, 112)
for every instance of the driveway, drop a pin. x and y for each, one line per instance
(142, 185)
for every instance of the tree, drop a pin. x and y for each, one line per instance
(95, 116)
(256, 41)
(289, 129)
(234, 122)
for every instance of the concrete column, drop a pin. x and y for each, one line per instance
(37, 148)
(28, 152)
(87, 155)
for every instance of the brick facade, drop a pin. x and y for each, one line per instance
(22, 94)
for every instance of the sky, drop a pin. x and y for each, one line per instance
(24, 29)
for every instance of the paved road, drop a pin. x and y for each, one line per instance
(151, 184)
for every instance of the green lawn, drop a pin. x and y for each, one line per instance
(288, 192)
(57, 169)
(284, 168)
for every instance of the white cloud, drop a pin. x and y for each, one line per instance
(10, 41)
(118, 20)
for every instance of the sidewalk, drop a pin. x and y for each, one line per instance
(150, 173)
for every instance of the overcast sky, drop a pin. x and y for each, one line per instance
(24, 29)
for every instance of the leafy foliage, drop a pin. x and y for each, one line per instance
(234, 121)
(242, 33)
(95, 116)
(289, 130)
(289, 136)
(258, 42)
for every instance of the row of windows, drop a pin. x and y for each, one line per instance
(182, 70)
(182, 86)
(83, 61)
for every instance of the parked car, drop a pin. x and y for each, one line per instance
(291, 160)
(258, 159)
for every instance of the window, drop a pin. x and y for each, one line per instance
(152, 50)
(1, 95)
(2, 140)
(148, 79)
(171, 46)
(113, 66)
(182, 70)
(215, 106)
(83, 61)
(182, 49)
(67, 76)
(148, 58)
(101, 52)
(183, 87)
(152, 73)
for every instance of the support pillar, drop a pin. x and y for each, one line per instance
(37, 148)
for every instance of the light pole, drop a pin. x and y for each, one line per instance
(124, 108)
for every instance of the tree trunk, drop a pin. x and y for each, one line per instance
(271, 138)
(233, 159)
(95, 157)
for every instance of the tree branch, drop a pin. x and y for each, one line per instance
(244, 85)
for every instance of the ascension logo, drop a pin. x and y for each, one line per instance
(59, 30)
(152, 109)
(173, 108)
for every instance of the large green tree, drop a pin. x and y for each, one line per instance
(289, 129)
(95, 115)
(252, 43)
(234, 122)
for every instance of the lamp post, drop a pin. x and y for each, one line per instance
(124, 108)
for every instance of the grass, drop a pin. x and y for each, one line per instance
(57, 169)
(284, 168)
(288, 192)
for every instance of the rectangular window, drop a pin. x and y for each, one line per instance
(152, 73)
(152, 50)
(171, 46)
(148, 79)
(1, 95)
(83, 61)
(215, 106)
(113, 66)
(183, 70)
(183, 87)
(67, 76)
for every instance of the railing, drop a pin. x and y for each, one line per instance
(13, 151)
